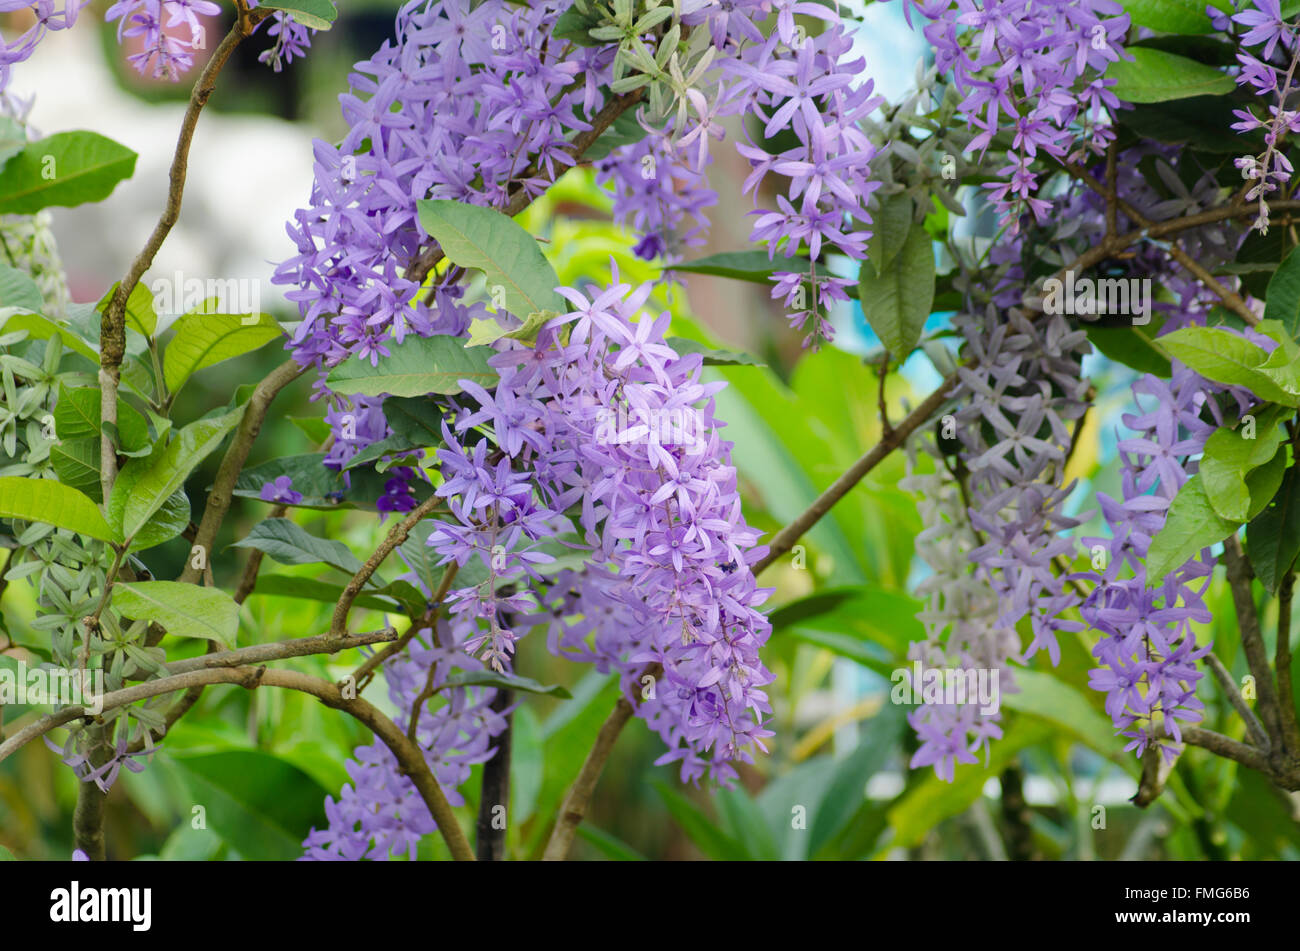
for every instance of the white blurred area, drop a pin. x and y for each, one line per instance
(247, 175)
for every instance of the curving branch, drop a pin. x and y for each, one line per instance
(409, 756)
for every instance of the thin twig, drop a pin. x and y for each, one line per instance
(1252, 641)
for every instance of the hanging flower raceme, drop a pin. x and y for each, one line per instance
(1033, 70)
(601, 423)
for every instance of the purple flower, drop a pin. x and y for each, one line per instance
(281, 490)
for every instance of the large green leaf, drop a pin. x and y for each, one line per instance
(291, 544)
(890, 226)
(165, 524)
(261, 805)
(1050, 698)
(204, 339)
(483, 238)
(185, 610)
(1227, 358)
(65, 169)
(1156, 76)
(1273, 536)
(43, 500)
(1192, 524)
(76, 463)
(421, 365)
(1230, 457)
(166, 472)
(897, 301)
(1169, 16)
(77, 416)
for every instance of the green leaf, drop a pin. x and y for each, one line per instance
(17, 289)
(416, 420)
(488, 678)
(897, 302)
(476, 237)
(185, 610)
(890, 225)
(1192, 524)
(847, 789)
(935, 800)
(165, 473)
(261, 805)
(65, 169)
(205, 339)
(317, 14)
(1133, 346)
(699, 827)
(293, 586)
(42, 328)
(1169, 16)
(1156, 76)
(1273, 536)
(1282, 301)
(291, 544)
(43, 500)
(712, 358)
(421, 365)
(76, 462)
(610, 846)
(1227, 358)
(76, 416)
(483, 332)
(1230, 457)
(140, 314)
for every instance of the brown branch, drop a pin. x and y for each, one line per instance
(1224, 746)
(223, 486)
(785, 539)
(361, 676)
(410, 757)
(400, 532)
(574, 808)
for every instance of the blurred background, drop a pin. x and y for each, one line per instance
(836, 782)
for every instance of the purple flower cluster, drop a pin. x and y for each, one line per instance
(1031, 69)
(458, 108)
(604, 422)
(1268, 171)
(961, 619)
(380, 815)
(1148, 652)
(292, 40)
(281, 490)
(50, 15)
